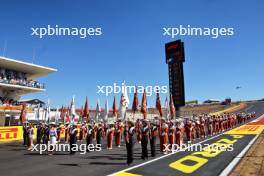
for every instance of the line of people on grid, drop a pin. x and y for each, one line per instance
(179, 131)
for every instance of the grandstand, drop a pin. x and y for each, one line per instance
(18, 78)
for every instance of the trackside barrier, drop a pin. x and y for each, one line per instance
(15, 133)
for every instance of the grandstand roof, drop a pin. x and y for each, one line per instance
(32, 70)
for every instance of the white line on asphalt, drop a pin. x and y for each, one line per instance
(153, 160)
(235, 161)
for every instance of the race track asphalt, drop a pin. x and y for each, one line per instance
(15, 160)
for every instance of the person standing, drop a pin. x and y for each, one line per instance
(171, 134)
(73, 138)
(129, 136)
(25, 135)
(99, 134)
(118, 134)
(163, 136)
(66, 137)
(39, 134)
(42, 133)
(144, 140)
(53, 138)
(153, 136)
(197, 128)
(89, 136)
(46, 134)
(188, 130)
(202, 126)
(210, 126)
(110, 134)
(138, 131)
(95, 126)
(59, 129)
(193, 129)
(82, 132)
(30, 136)
(178, 134)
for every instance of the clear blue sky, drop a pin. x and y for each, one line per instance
(132, 46)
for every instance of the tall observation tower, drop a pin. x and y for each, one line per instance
(175, 58)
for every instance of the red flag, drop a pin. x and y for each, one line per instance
(23, 113)
(62, 113)
(86, 110)
(135, 102)
(172, 108)
(114, 108)
(158, 104)
(68, 117)
(144, 104)
(81, 112)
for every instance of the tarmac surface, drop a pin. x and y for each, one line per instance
(16, 160)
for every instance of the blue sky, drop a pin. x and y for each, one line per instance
(132, 46)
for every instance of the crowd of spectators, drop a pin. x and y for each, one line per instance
(6, 101)
(17, 78)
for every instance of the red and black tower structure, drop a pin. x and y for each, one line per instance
(175, 58)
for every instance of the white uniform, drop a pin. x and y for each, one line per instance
(53, 136)
(31, 133)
